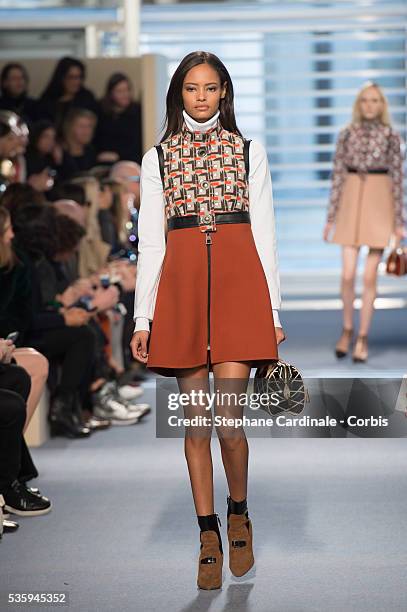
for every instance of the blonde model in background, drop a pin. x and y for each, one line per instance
(366, 206)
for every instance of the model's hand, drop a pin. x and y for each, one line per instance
(400, 234)
(138, 345)
(327, 230)
(280, 335)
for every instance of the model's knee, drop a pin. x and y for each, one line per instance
(348, 280)
(232, 443)
(197, 443)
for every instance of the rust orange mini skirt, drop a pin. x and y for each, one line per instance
(214, 297)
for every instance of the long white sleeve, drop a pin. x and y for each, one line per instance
(262, 221)
(151, 247)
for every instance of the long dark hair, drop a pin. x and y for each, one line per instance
(55, 88)
(36, 132)
(7, 256)
(35, 231)
(6, 71)
(106, 102)
(174, 117)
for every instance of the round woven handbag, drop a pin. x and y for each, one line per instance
(281, 380)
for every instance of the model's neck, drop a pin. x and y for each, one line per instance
(200, 126)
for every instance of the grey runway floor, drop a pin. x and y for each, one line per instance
(328, 516)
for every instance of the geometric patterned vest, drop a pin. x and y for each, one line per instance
(204, 173)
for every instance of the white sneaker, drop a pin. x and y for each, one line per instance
(116, 412)
(139, 409)
(128, 392)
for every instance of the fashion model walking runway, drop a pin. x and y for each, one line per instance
(207, 291)
(366, 206)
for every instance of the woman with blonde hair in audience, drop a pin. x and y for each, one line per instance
(93, 251)
(78, 152)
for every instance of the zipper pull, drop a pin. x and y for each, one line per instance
(208, 238)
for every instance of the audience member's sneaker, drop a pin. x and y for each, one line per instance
(9, 526)
(96, 422)
(139, 410)
(129, 392)
(33, 490)
(19, 500)
(117, 413)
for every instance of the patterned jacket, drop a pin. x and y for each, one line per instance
(364, 146)
(204, 174)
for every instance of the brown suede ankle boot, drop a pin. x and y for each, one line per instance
(210, 562)
(240, 536)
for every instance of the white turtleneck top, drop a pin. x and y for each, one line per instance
(151, 226)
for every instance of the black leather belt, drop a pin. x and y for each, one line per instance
(369, 171)
(193, 220)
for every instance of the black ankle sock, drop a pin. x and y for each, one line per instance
(237, 507)
(209, 522)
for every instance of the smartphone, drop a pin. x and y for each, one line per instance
(13, 336)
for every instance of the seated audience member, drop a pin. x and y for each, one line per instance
(16, 465)
(119, 132)
(93, 251)
(19, 195)
(15, 312)
(65, 91)
(78, 154)
(14, 92)
(58, 333)
(15, 284)
(66, 190)
(9, 149)
(20, 131)
(110, 216)
(128, 174)
(64, 328)
(42, 156)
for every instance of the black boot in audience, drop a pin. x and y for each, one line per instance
(64, 419)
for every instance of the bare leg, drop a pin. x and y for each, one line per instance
(197, 443)
(232, 377)
(37, 367)
(369, 289)
(349, 264)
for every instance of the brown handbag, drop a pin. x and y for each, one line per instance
(397, 261)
